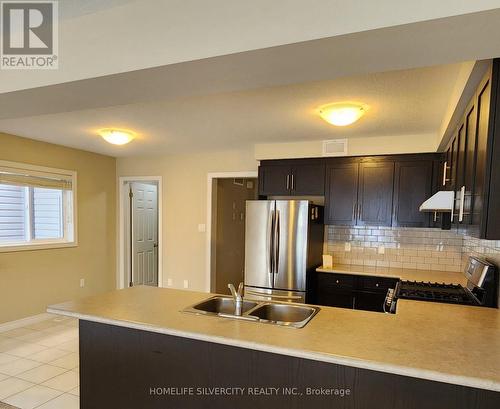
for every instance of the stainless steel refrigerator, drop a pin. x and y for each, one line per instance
(283, 241)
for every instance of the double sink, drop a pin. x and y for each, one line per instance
(289, 315)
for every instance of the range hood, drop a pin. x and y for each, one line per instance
(442, 201)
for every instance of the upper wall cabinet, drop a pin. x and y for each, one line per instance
(359, 191)
(274, 179)
(375, 193)
(412, 186)
(341, 193)
(474, 169)
(380, 191)
(292, 178)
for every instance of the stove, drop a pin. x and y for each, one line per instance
(481, 289)
(437, 292)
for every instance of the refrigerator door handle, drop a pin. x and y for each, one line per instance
(270, 236)
(276, 238)
(274, 296)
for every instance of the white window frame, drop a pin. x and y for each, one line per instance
(70, 215)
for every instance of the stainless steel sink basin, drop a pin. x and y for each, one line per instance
(290, 315)
(220, 306)
(284, 314)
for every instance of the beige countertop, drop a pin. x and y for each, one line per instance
(402, 273)
(441, 342)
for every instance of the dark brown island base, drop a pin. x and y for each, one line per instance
(125, 368)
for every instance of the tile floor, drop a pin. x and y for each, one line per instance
(39, 365)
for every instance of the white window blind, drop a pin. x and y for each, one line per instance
(36, 206)
(25, 177)
(47, 213)
(13, 220)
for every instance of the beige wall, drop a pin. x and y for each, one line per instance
(185, 206)
(373, 145)
(31, 280)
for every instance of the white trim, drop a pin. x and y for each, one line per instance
(42, 246)
(120, 271)
(208, 248)
(7, 326)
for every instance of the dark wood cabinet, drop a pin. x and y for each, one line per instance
(459, 173)
(468, 175)
(478, 217)
(412, 186)
(490, 220)
(350, 291)
(369, 301)
(308, 179)
(341, 193)
(382, 190)
(475, 170)
(274, 179)
(375, 193)
(365, 191)
(125, 368)
(453, 165)
(445, 181)
(292, 178)
(334, 290)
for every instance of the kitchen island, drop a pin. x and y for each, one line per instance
(137, 349)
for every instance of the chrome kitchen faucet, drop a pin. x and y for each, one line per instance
(238, 297)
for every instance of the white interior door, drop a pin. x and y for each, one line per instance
(144, 234)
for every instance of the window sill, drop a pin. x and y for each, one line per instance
(36, 246)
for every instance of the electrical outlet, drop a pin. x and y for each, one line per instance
(202, 228)
(381, 250)
(82, 282)
(169, 282)
(186, 284)
(347, 246)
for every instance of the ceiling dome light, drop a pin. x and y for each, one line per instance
(117, 136)
(342, 113)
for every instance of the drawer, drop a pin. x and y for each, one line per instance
(332, 281)
(378, 283)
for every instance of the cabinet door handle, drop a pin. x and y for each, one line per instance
(445, 168)
(293, 181)
(354, 206)
(359, 211)
(287, 182)
(462, 203)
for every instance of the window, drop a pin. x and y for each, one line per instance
(36, 207)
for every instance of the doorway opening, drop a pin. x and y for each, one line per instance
(140, 232)
(227, 228)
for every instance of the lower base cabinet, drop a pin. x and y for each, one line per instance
(350, 291)
(369, 301)
(335, 299)
(125, 368)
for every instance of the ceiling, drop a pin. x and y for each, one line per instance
(106, 37)
(409, 74)
(403, 102)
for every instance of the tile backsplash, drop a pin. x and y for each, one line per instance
(404, 247)
(488, 249)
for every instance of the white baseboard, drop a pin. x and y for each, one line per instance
(7, 326)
